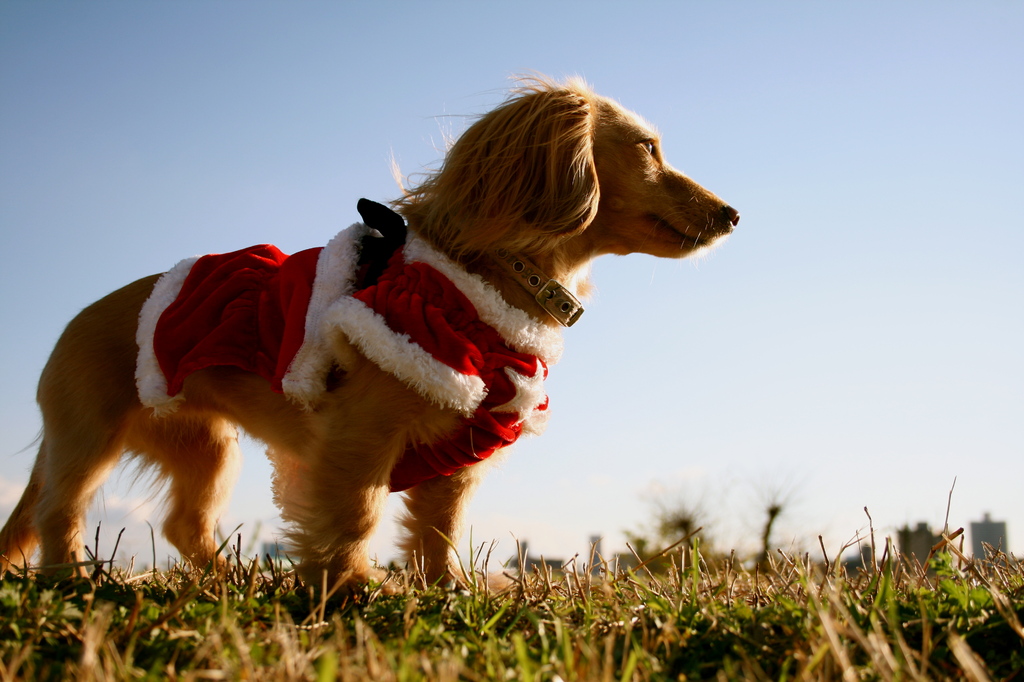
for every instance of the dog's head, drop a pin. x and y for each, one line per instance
(646, 205)
(557, 167)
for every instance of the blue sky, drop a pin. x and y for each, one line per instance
(856, 343)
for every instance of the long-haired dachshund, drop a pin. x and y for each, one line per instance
(399, 357)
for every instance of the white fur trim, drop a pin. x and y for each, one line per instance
(529, 396)
(398, 355)
(529, 392)
(519, 329)
(149, 378)
(335, 272)
(536, 422)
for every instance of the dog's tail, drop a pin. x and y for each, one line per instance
(19, 538)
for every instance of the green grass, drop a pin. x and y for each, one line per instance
(709, 619)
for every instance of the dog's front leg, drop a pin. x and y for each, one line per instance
(339, 505)
(343, 477)
(333, 539)
(433, 523)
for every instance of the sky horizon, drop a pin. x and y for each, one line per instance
(852, 345)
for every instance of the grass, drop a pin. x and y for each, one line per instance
(697, 618)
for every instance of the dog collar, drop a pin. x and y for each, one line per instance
(556, 300)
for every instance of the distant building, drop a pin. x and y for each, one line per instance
(593, 554)
(596, 556)
(987, 532)
(861, 562)
(524, 562)
(274, 550)
(917, 543)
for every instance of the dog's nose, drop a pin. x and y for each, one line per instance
(731, 214)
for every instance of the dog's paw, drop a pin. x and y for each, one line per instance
(385, 582)
(456, 579)
(498, 582)
(217, 564)
(350, 582)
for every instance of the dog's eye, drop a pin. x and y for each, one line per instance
(650, 147)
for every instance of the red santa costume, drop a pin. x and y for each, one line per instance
(442, 331)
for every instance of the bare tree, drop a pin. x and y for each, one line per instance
(677, 517)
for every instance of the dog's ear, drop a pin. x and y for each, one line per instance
(522, 172)
(539, 168)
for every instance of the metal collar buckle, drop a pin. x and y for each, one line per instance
(555, 299)
(560, 303)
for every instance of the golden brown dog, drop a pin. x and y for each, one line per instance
(555, 175)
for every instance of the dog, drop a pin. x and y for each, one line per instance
(503, 233)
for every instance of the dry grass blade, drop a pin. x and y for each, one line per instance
(973, 667)
(710, 617)
(1002, 603)
(837, 649)
(644, 563)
